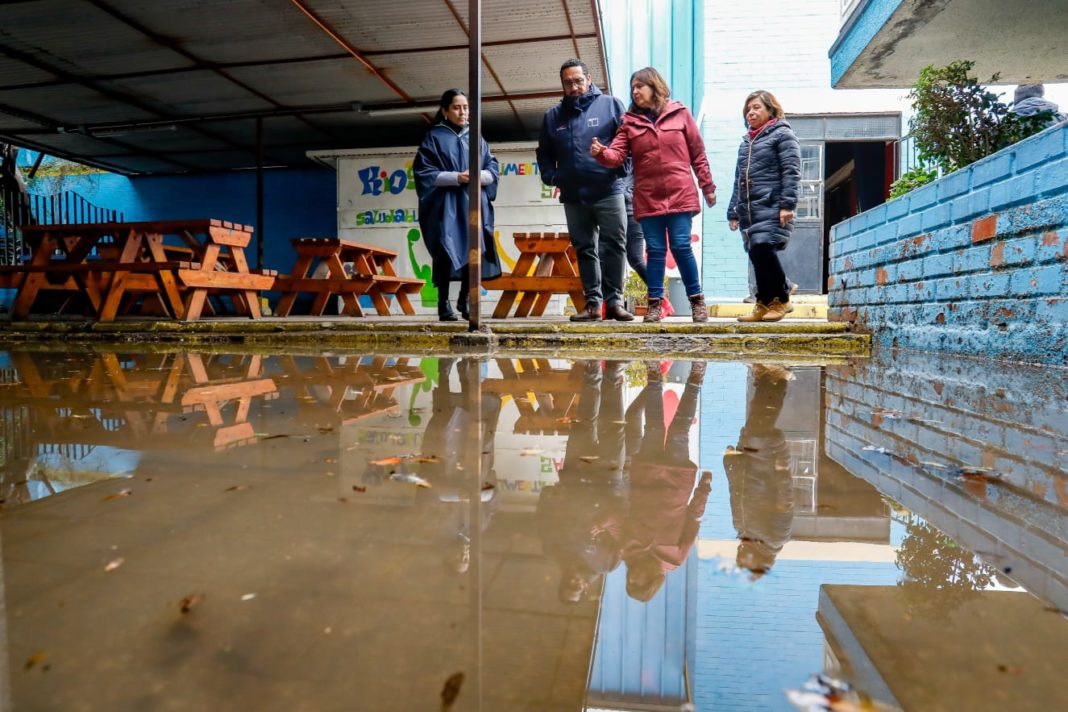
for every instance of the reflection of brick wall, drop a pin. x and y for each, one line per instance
(975, 263)
(910, 424)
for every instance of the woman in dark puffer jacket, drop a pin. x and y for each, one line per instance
(767, 182)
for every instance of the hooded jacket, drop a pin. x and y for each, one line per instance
(663, 152)
(564, 158)
(767, 179)
(1035, 105)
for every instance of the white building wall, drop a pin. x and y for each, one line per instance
(780, 46)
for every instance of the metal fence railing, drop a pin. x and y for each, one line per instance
(63, 208)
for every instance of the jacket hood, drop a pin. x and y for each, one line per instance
(669, 108)
(1034, 105)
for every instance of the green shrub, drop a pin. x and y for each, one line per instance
(912, 179)
(957, 121)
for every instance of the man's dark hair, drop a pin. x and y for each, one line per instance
(574, 63)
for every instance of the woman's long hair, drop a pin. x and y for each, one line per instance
(652, 79)
(446, 102)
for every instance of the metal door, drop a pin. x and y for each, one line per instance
(803, 257)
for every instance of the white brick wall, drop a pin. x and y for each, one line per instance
(780, 46)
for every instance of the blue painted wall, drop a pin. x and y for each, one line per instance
(297, 202)
(975, 263)
(665, 34)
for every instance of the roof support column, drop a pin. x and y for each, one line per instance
(474, 164)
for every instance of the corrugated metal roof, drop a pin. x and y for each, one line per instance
(107, 81)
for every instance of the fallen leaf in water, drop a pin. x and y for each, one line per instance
(409, 478)
(358, 488)
(118, 495)
(248, 597)
(528, 451)
(114, 564)
(326, 430)
(272, 437)
(589, 458)
(487, 486)
(343, 500)
(731, 452)
(39, 657)
(236, 488)
(387, 461)
(186, 604)
(746, 448)
(451, 690)
(426, 459)
(824, 506)
(1010, 669)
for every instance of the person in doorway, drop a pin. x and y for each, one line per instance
(442, 175)
(664, 141)
(592, 194)
(767, 184)
(1029, 100)
(758, 473)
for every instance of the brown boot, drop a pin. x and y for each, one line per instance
(655, 312)
(698, 308)
(776, 311)
(759, 310)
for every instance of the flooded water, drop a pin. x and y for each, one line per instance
(228, 530)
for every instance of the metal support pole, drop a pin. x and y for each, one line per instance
(259, 193)
(474, 164)
(36, 165)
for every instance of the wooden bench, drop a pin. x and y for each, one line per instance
(546, 266)
(373, 275)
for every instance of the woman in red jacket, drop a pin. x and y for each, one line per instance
(665, 143)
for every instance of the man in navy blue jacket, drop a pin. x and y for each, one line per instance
(592, 194)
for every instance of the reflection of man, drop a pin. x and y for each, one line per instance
(592, 194)
(581, 516)
(447, 446)
(665, 507)
(762, 500)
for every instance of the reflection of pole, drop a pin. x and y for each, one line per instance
(472, 389)
(474, 163)
(5, 679)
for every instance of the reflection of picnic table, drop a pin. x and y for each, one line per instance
(546, 266)
(320, 270)
(348, 389)
(140, 401)
(547, 398)
(105, 263)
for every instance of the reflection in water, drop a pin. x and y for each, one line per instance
(761, 486)
(357, 530)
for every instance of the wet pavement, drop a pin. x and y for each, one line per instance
(233, 530)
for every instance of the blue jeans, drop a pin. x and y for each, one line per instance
(662, 232)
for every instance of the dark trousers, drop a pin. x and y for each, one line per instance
(770, 277)
(441, 275)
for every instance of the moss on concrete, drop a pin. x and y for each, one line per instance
(675, 339)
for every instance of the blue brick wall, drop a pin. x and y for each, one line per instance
(975, 263)
(910, 423)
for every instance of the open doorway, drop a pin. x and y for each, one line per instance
(857, 177)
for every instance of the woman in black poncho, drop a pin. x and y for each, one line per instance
(441, 178)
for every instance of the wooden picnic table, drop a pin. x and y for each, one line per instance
(546, 266)
(546, 397)
(320, 270)
(106, 262)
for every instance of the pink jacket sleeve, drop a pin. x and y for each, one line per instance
(698, 159)
(617, 152)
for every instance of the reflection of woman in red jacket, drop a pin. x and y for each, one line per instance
(665, 144)
(665, 506)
